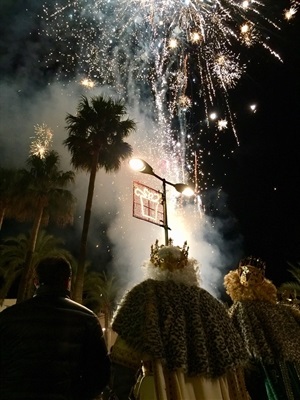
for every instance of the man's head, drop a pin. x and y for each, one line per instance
(53, 271)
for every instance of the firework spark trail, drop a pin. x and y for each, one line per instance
(42, 141)
(151, 51)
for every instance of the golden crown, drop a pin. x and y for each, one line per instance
(251, 271)
(169, 257)
(252, 261)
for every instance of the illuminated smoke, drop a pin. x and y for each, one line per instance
(154, 47)
(150, 53)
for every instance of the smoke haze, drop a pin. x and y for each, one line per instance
(25, 102)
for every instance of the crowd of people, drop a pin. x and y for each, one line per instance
(175, 341)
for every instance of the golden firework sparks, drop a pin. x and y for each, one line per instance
(42, 141)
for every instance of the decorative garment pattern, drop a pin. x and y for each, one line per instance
(191, 331)
(267, 330)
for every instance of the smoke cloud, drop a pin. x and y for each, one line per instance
(126, 238)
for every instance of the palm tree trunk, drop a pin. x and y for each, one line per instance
(27, 270)
(78, 284)
(2, 213)
(106, 326)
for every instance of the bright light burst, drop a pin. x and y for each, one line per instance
(290, 13)
(87, 83)
(42, 141)
(161, 53)
(222, 124)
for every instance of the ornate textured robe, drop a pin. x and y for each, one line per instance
(271, 335)
(185, 339)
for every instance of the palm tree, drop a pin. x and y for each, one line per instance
(44, 198)
(100, 293)
(292, 288)
(91, 296)
(96, 140)
(13, 252)
(8, 193)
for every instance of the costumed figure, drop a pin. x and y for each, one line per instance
(175, 340)
(270, 332)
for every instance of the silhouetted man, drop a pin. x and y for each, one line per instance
(50, 346)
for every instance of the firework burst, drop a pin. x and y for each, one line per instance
(42, 141)
(157, 39)
(290, 12)
(152, 52)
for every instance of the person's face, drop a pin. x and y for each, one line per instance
(250, 276)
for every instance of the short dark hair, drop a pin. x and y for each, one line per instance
(54, 271)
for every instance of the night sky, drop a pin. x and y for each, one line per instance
(261, 179)
(264, 177)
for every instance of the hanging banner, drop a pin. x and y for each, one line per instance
(147, 204)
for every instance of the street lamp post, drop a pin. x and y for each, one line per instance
(165, 215)
(140, 165)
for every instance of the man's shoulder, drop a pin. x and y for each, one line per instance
(78, 307)
(39, 302)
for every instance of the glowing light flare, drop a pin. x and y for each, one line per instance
(245, 28)
(87, 83)
(248, 36)
(290, 13)
(222, 124)
(188, 192)
(196, 37)
(173, 43)
(136, 164)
